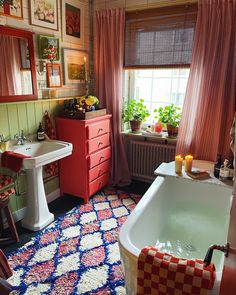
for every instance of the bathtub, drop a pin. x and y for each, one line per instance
(179, 216)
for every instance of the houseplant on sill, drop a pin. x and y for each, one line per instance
(170, 116)
(135, 112)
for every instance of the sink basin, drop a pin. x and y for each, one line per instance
(43, 152)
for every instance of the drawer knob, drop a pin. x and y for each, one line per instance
(102, 157)
(100, 129)
(100, 172)
(100, 143)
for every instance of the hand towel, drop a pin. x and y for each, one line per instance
(52, 168)
(162, 273)
(13, 160)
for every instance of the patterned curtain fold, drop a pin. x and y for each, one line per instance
(109, 54)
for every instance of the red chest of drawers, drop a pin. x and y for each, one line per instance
(87, 170)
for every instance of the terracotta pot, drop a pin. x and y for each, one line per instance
(135, 125)
(172, 131)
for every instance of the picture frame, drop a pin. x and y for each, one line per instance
(75, 66)
(54, 76)
(44, 13)
(12, 9)
(73, 21)
(44, 41)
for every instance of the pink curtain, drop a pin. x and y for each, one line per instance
(210, 96)
(109, 48)
(10, 64)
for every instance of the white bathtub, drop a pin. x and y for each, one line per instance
(178, 216)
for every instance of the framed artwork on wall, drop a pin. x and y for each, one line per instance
(47, 42)
(54, 79)
(75, 67)
(73, 21)
(44, 13)
(12, 8)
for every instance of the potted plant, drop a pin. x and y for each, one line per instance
(135, 112)
(170, 116)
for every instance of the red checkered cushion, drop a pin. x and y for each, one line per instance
(7, 193)
(162, 273)
(5, 180)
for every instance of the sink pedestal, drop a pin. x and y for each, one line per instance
(37, 212)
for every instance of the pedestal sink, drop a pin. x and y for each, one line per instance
(41, 153)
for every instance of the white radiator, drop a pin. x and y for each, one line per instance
(145, 157)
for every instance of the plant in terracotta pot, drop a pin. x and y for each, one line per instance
(170, 116)
(135, 112)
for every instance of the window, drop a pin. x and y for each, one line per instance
(158, 53)
(158, 87)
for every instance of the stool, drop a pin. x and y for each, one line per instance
(7, 188)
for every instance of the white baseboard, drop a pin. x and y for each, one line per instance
(20, 214)
(53, 195)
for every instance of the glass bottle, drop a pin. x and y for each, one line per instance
(217, 166)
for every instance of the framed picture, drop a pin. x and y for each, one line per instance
(75, 67)
(45, 42)
(44, 13)
(12, 8)
(73, 21)
(53, 71)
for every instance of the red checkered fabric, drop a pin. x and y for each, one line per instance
(5, 180)
(52, 168)
(162, 273)
(5, 270)
(6, 194)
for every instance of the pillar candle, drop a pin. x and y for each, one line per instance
(178, 164)
(85, 69)
(188, 163)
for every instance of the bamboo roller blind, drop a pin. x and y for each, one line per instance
(160, 37)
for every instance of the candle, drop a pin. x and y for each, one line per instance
(178, 164)
(85, 69)
(188, 163)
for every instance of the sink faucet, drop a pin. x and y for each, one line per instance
(21, 139)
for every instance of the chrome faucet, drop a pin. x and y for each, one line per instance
(21, 139)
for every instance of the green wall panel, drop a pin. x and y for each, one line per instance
(4, 126)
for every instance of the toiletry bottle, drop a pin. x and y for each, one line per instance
(231, 169)
(217, 166)
(40, 133)
(224, 171)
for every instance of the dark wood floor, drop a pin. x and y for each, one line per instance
(61, 206)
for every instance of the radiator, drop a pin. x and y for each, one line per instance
(145, 157)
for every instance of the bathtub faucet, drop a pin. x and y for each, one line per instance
(222, 248)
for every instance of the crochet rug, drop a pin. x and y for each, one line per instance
(78, 253)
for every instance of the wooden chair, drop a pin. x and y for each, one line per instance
(8, 187)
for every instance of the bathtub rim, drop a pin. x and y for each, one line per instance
(124, 235)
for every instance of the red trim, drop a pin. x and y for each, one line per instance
(29, 36)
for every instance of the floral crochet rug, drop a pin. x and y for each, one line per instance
(78, 253)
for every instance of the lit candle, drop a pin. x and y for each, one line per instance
(85, 69)
(188, 163)
(178, 164)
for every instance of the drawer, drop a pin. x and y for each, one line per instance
(98, 183)
(99, 157)
(97, 129)
(98, 143)
(99, 170)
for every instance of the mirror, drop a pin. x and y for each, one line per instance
(17, 65)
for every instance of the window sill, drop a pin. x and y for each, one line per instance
(150, 137)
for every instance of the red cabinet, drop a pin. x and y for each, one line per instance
(87, 170)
